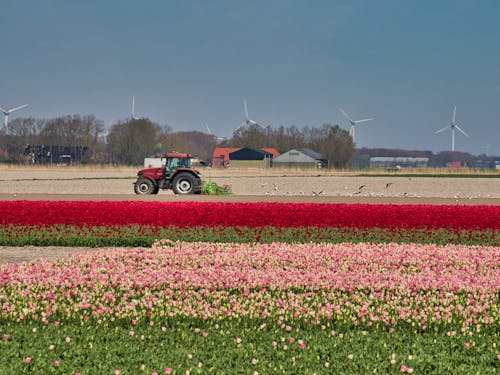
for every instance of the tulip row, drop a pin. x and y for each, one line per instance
(182, 307)
(146, 235)
(357, 284)
(188, 214)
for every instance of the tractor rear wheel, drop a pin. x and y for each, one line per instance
(144, 186)
(186, 183)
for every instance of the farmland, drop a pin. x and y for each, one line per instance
(381, 284)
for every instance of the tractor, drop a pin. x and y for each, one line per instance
(176, 174)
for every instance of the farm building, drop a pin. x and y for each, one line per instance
(250, 157)
(222, 157)
(300, 158)
(394, 162)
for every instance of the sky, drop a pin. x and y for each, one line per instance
(191, 63)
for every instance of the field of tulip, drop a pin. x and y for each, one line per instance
(252, 289)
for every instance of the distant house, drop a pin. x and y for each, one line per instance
(300, 158)
(243, 157)
(395, 162)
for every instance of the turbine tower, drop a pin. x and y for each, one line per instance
(353, 122)
(453, 126)
(7, 113)
(132, 112)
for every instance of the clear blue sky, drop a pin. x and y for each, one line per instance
(404, 62)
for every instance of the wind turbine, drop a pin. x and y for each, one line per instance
(213, 135)
(248, 121)
(353, 122)
(132, 113)
(453, 126)
(7, 113)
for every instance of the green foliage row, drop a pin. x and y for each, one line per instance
(211, 188)
(240, 346)
(135, 235)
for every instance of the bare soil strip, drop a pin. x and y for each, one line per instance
(12, 254)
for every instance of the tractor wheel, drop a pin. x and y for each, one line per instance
(185, 183)
(198, 186)
(144, 186)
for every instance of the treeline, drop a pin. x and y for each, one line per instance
(31, 139)
(128, 142)
(85, 140)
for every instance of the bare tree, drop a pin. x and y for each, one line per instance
(129, 142)
(74, 132)
(193, 142)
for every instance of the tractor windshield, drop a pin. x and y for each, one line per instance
(174, 163)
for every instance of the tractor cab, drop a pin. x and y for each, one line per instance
(175, 161)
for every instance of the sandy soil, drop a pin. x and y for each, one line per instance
(247, 185)
(97, 183)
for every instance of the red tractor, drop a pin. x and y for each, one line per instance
(176, 174)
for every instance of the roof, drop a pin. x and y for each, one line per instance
(271, 151)
(249, 153)
(224, 152)
(300, 155)
(313, 154)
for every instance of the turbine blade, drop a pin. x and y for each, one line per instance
(461, 131)
(364, 120)
(239, 127)
(4, 111)
(442, 130)
(345, 115)
(15, 109)
(454, 113)
(246, 109)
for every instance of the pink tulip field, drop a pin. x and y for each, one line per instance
(415, 298)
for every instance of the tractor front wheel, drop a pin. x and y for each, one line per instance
(185, 183)
(144, 186)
